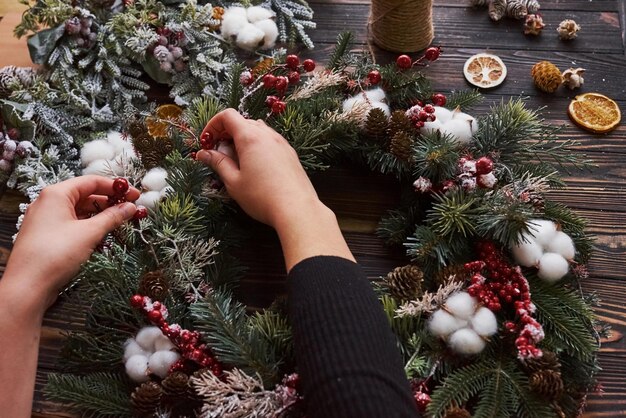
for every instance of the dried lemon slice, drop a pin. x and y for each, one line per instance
(484, 70)
(157, 127)
(594, 112)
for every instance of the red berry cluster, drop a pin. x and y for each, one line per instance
(495, 282)
(476, 173)
(421, 113)
(279, 83)
(120, 188)
(439, 99)
(194, 353)
(404, 62)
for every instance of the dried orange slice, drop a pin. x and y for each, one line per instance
(484, 70)
(157, 128)
(594, 112)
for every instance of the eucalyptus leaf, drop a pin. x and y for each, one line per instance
(13, 119)
(41, 44)
(151, 67)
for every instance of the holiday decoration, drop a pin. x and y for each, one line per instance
(568, 29)
(595, 112)
(251, 28)
(547, 76)
(163, 333)
(573, 78)
(484, 70)
(533, 24)
(516, 9)
(402, 27)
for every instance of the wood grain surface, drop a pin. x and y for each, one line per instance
(359, 197)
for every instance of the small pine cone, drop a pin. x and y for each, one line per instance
(532, 197)
(401, 146)
(457, 413)
(146, 398)
(376, 124)
(497, 9)
(547, 383)
(405, 283)
(262, 67)
(154, 284)
(547, 76)
(516, 9)
(15, 76)
(399, 122)
(176, 385)
(548, 361)
(450, 274)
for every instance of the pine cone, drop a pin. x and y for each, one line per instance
(399, 122)
(547, 383)
(154, 284)
(146, 398)
(457, 271)
(549, 361)
(405, 283)
(152, 151)
(534, 198)
(401, 146)
(12, 75)
(376, 124)
(547, 76)
(457, 413)
(176, 385)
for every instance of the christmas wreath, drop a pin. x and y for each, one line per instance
(487, 310)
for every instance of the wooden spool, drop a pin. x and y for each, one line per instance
(402, 25)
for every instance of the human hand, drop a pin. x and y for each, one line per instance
(59, 234)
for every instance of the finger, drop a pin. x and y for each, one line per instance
(228, 122)
(84, 186)
(222, 164)
(111, 218)
(92, 204)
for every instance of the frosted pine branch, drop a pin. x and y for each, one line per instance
(429, 302)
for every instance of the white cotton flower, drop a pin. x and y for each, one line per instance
(250, 37)
(349, 103)
(527, 253)
(382, 106)
(162, 343)
(375, 95)
(484, 322)
(562, 244)
(466, 341)
(132, 348)
(257, 13)
(137, 368)
(116, 139)
(117, 167)
(147, 336)
(542, 230)
(373, 98)
(98, 149)
(460, 129)
(442, 323)
(552, 267)
(270, 32)
(233, 20)
(456, 123)
(98, 167)
(461, 304)
(165, 192)
(161, 361)
(433, 126)
(149, 199)
(442, 114)
(155, 179)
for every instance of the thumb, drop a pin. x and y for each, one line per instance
(112, 217)
(222, 164)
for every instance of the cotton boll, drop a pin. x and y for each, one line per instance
(131, 348)
(162, 343)
(96, 150)
(257, 13)
(460, 129)
(165, 192)
(442, 114)
(155, 179)
(117, 141)
(270, 32)
(149, 199)
(98, 167)
(250, 37)
(562, 244)
(442, 323)
(542, 230)
(382, 106)
(461, 305)
(233, 20)
(429, 127)
(147, 336)
(137, 368)
(348, 104)
(375, 95)
(161, 361)
(552, 267)
(484, 322)
(527, 253)
(466, 341)
(116, 166)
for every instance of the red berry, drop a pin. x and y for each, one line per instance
(207, 361)
(429, 108)
(207, 141)
(432, 53)
(278, 106)
(136, 301)
(155, 316)
(422, 400)
(423, 116)
(216, 369)
(308, 65)
(294, 77)
(419, 124)
(270, 100)
(185, 336)
(140, 213)
(120, 186)
(292, 61)
(484, 165)
(13, 133)
(292, 380)
(269, 81)
(157, 305)
(281, 83)
(374, 77)
(192, 155)
(439, 99)
(404, 62)
(196, 355)
(431, 117)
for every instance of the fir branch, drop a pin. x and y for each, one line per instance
(98, 395)
(436, 157)
(336, 60)
(464, 99)
(396, 225)
(453, 213)
(233, 89)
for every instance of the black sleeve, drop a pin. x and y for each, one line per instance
(347, 358)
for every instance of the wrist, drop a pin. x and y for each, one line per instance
(298, 215)
(23, 300)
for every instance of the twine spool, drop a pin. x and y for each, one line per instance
(402, 25)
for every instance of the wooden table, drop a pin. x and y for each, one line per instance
(360, 198)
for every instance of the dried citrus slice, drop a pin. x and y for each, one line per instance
(594, 112)
(156, 126)
(484, 70)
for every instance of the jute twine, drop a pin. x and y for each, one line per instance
(402, 25)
